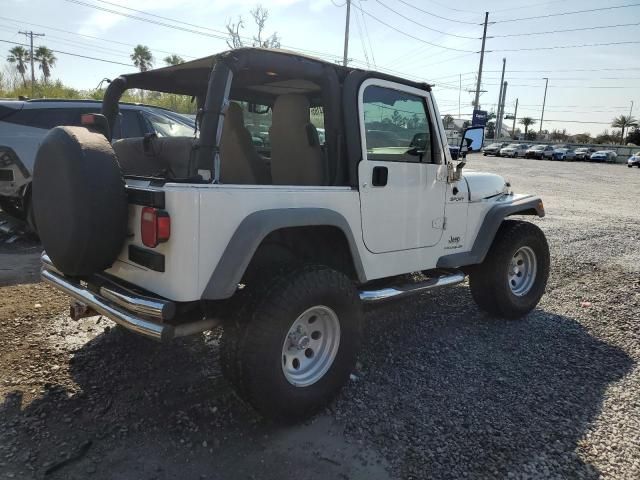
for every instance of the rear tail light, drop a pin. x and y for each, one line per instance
(155, 226)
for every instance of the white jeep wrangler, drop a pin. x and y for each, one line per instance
(276, 233)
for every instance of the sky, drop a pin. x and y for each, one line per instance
(427, 40)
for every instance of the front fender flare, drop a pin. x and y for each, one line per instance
(254, 228)
(488, 230)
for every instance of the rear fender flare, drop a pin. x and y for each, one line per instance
(252, 231)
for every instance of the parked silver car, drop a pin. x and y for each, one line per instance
(584, 153)
(564, 154)
(514, 150)
(540, 152)
(24, 124)
(634, 160)
(604, 156)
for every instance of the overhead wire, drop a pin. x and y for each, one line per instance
(73, 54)
(599, 27)
(556, 47)
(204, 31)
(548, 15)
(115, 42)
(361, 36)
(366, 31)
(402, 32)
(422, 25)
(436, 15)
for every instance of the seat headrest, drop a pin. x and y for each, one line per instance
(293, 107)
(234, 114)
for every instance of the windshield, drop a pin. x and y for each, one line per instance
(514, 145)
(494, 145)
(169, 127)
(538, 147)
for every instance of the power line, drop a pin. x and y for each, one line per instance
(438, 16)
(366, 31)
(601, 27)
(555, 79)
(422, 25)
(404, 33)
(364, 47)
(567, 13)
(89, 36)
(564, 46)
(73, 54)
(220, 35)
(562, 86)
(531, 5)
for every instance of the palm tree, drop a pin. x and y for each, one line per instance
(447, 120)
(20, 56)
(46, 59)
(173, 59)
(527, 121)
(142, 58)
(622, 122)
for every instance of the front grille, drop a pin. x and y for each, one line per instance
(6, 175)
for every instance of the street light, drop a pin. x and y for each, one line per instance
(543, 102)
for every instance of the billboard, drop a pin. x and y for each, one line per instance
(479, 118)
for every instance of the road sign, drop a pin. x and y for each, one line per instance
(479, 118)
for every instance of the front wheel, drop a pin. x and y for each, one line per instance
(294, 348)
(512, 278)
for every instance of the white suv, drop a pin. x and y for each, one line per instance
(23, 125)
(174, 236)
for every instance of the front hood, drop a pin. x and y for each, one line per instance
(484, 185)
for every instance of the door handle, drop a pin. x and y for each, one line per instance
(380, 176)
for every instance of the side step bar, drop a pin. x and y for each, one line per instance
(399, 291)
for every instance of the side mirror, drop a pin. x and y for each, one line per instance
(472, 141)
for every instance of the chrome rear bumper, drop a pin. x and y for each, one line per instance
(141, 314)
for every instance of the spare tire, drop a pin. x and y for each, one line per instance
(79, 200)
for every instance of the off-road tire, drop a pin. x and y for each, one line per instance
(79, 200)
(489, 280)
(252, 343)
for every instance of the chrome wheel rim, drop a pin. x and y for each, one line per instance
(522, 271)
(310, 346)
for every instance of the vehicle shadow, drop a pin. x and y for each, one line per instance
(479, 397)
(442, 391)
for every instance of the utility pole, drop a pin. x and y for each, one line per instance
(630, 109)
(30, 34)
(476, 102)
(346, 34)
(500, 111)
(501, 106)
(544, 101)
(515, 115)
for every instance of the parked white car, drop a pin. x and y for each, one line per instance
(514, 150)
(284, 261)
(540, 152)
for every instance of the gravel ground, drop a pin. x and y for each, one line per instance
(441, 390)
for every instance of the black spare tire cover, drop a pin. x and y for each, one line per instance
(79, 200)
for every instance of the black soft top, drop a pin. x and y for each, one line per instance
(191, 78)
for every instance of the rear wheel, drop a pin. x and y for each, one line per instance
(291, 351)
(511, 280)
